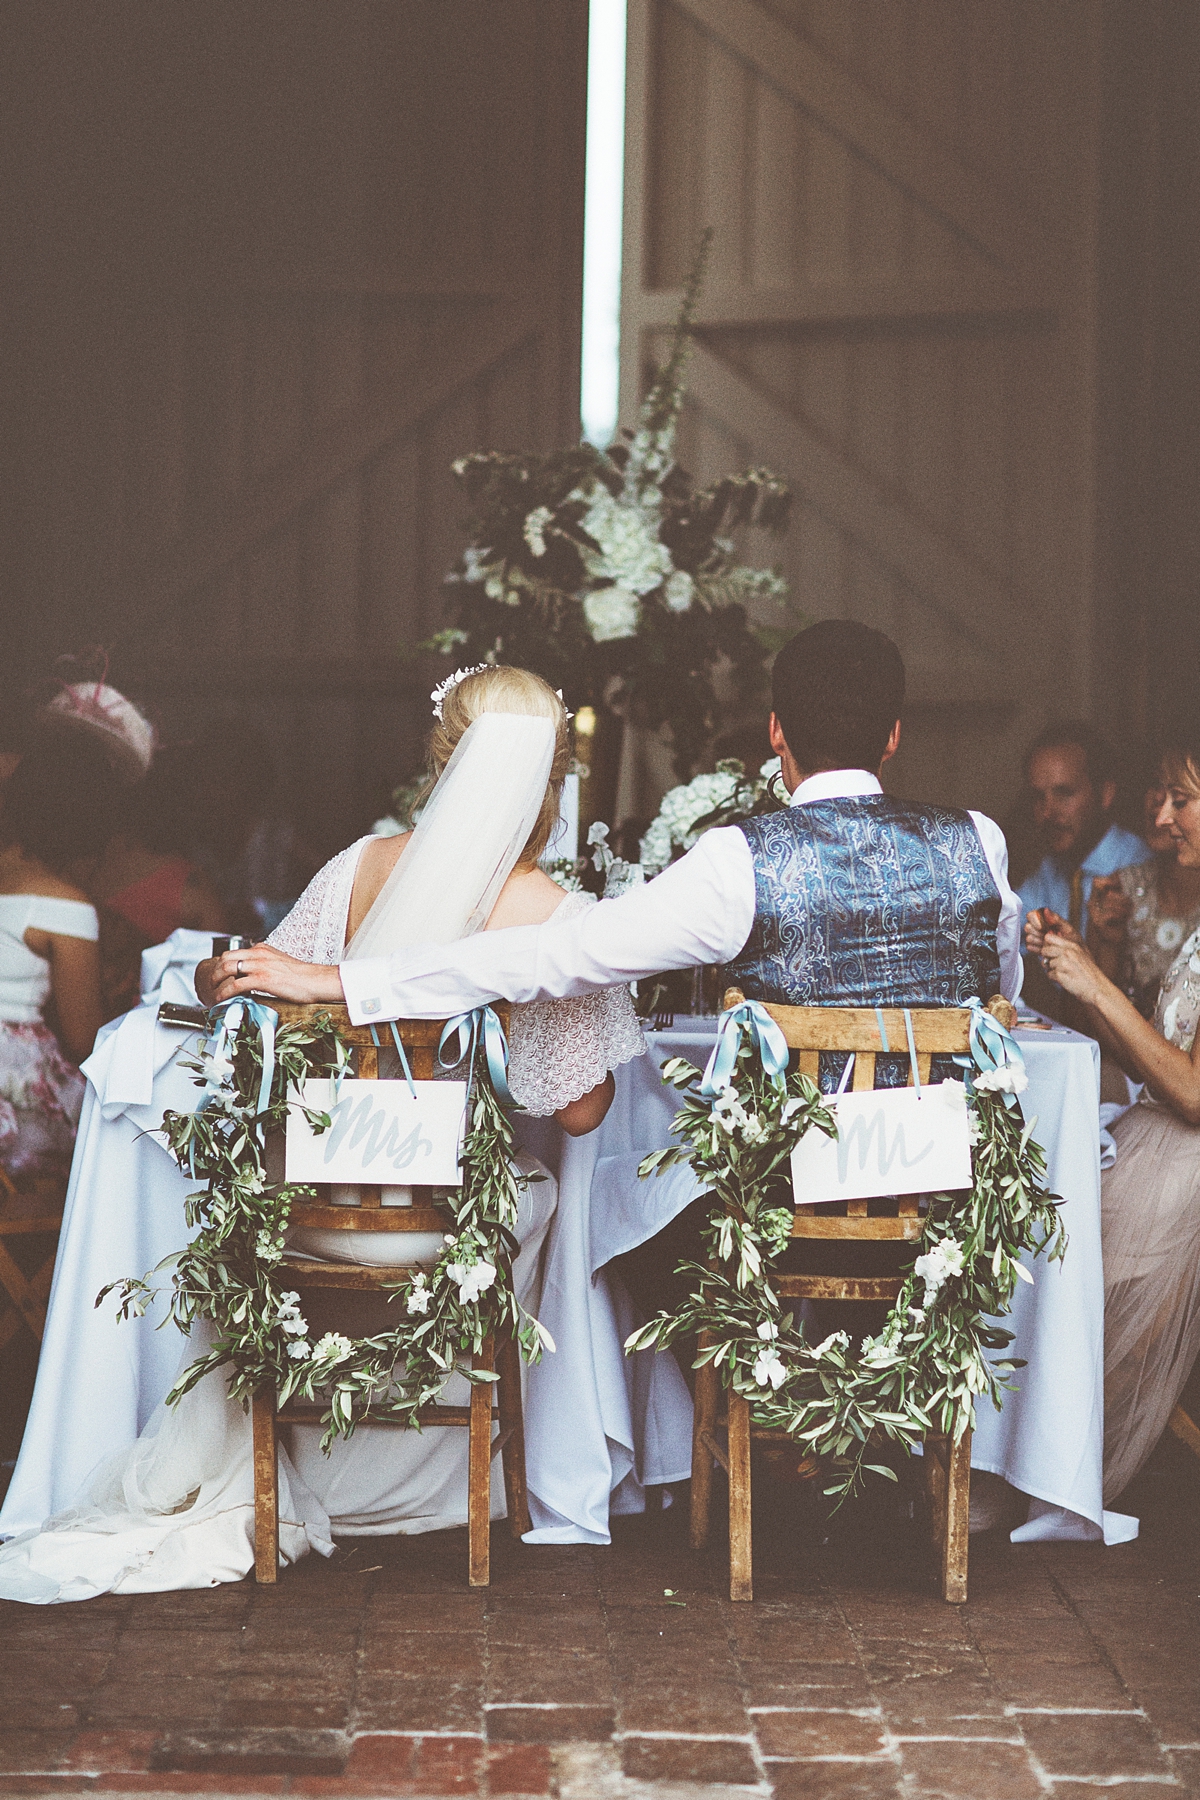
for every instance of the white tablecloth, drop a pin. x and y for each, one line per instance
(1048, 1439)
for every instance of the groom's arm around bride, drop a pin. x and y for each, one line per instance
(845, 897)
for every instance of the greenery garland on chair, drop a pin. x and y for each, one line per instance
(230, 1272)
(922, 1373)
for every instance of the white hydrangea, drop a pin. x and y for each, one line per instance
(938, 1264)
(611, 613)
(681, 809)
(679, 592)
(631, 552)
(769, 1368)
(534, 529)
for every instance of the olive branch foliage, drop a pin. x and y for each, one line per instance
(230, 1273)
(925, 1369)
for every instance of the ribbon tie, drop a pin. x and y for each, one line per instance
(231, 1014)
(754, 1019)
(992, 1046)
(466, 1030)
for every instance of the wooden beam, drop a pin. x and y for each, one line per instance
(853, 303)
(902, 153)
(967, 595)
(329, 453)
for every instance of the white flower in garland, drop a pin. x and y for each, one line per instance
(837, 1340)
(473, 1279)
(332, 1347)
(611, 613)
(299, 1349)
(291, 1319)
(419, 1294)
(769, 1368)
(1008, 1079)
(768, 1331)
(939, 1263)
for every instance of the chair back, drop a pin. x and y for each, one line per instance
(937, 1031)
(420, 1038)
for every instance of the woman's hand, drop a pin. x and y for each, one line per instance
(264, 970)
(1071, 964)
(1043, 920)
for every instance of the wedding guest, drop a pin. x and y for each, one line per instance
(1070, 777)
(142, 885)
(54, 803)
(1070, 773)
(1151, 1195)
(1138, 918)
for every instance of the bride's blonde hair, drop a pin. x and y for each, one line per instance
(503, 690)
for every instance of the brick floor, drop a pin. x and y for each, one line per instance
(1073, 1672)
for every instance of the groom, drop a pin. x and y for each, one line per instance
(847, 897)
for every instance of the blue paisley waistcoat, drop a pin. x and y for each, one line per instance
(869, 901)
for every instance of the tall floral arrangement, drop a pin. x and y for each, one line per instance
(609, 574)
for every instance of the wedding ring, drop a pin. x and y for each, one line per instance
(240, 970)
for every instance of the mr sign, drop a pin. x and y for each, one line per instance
(890, 1141)
(379, 1133)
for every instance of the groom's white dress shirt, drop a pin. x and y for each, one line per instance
(700, 910)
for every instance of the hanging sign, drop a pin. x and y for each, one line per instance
(890, 1141)
(380, 1134)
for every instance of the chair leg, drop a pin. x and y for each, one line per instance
(512, 1422)
(704, 1419)
(266, 1487)
(1184, 1427)
(934, 1460)
(741, 1577)
(958, 1508)
(479, 1477)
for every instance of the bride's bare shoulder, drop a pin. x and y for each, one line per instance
(528, 897)
(379, 857)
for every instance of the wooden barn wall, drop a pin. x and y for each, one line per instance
(272, 269)
(900, 317)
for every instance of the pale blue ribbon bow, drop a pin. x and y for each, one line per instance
(232, 1013)
(754, 1019)
(992, 1046)
(466, 1029)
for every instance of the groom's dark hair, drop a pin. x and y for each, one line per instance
(837, 690)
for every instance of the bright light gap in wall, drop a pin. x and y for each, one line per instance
(602, 210)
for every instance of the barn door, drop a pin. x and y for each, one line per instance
(275, 267)
(898, 319)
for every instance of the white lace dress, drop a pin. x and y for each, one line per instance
(1151, 1234)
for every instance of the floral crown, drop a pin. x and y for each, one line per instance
(439, 693)
(443, 687)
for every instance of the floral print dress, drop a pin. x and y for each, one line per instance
(40, 1091)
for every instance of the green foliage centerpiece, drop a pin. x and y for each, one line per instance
(925, 1369)
(231, 1273)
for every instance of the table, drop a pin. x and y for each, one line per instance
(1047, 1440)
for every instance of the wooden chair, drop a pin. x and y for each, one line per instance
(420, 1039)
(810, 1030)
(33, 1209)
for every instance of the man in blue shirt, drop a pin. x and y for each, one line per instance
(1069, 772)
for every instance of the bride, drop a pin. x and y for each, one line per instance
(176, 1510)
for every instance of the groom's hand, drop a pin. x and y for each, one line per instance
(265, 970)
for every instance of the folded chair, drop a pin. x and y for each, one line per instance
(420, 1038)
(810, 1030)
